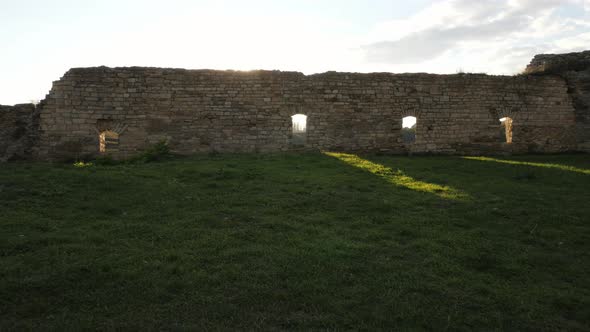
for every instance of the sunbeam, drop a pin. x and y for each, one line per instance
(528, 163)
(398, 178)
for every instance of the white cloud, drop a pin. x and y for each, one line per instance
(471, 33)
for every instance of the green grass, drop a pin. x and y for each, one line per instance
(297, 241)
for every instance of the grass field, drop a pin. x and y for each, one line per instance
(297, 241)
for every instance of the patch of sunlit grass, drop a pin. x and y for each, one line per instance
(82, 164)
(398, 177)
(527, 163)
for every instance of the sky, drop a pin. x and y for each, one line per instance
(40, 39)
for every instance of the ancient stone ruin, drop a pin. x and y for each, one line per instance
(122, 111)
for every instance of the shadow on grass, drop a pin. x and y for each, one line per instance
(399, 178)
(534, 164)
(293, 241)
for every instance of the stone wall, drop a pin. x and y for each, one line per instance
(18, 132)
(575, 69)
(228, 111)
(559, 63)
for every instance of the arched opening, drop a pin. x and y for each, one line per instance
(506, 123)
(299, 124)
(409, 129)
(108, 141)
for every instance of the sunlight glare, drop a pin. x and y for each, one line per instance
(299, 123)
(408, 121)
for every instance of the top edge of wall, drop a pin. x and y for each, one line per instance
(168, 70)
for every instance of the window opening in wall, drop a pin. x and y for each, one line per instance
(506, 123)
(109, 142)
(409, 129)
(299, 129)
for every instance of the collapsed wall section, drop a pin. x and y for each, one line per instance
(575, 69)
(121, 111)
(18, 132)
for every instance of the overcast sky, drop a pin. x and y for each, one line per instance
(40, 39)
